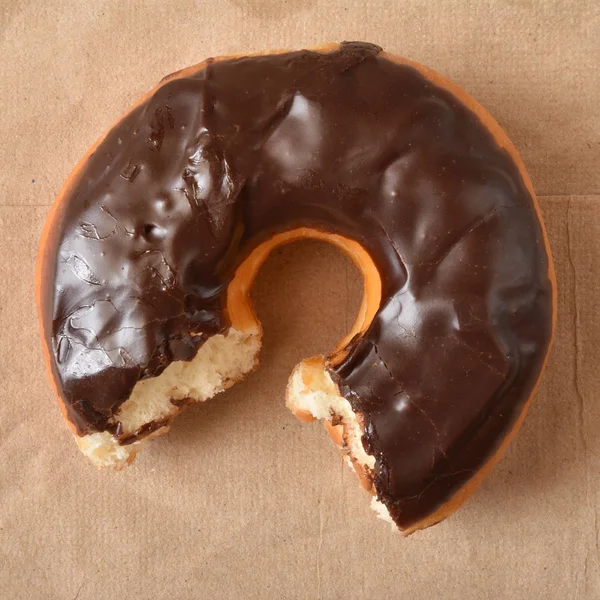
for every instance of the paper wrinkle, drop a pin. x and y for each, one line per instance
(579, 393)
(76, 597)
(319, 547)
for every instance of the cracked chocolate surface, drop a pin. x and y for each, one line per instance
(189, 182)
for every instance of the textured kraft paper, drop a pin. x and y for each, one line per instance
(241, 500)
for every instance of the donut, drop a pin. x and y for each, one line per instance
(149, 253)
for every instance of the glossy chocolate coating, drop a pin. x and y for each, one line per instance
(349, 142)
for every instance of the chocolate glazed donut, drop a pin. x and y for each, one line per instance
(151, 248)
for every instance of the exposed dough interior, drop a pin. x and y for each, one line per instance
(154, 402)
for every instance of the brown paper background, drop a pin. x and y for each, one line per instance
(241, 500)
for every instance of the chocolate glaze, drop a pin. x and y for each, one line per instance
(187, 184)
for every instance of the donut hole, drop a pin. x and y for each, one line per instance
(307, 291)
(240, 308)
